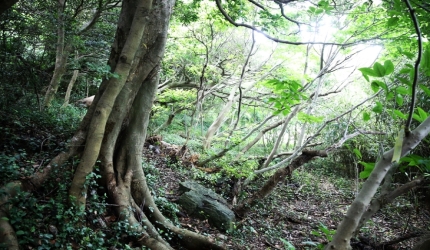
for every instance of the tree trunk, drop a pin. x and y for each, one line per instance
(220, 119)
(344, 232)
(118, 120)
(70, 87)
(60, 59)
(242, 209)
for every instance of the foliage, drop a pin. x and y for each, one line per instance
(287, 94)
(46, 222)
(323, 231)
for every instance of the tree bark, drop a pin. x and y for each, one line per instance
(60, 58)
(344, 232)
(70, 87)
(118, 120)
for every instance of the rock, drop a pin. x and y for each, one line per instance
(204, 203)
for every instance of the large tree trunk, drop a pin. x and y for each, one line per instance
(118, 119)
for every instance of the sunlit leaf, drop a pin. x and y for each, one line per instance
(402, 90)
(374, 86)
(379, 69)
(425, 89)
(399, 100)
(368, 168)
(368, 72)
(422, 113)
(366, 116)
(389, 67)
(357, 153)
(425, 62)
(399, 114)
(417, 117)
(389, 96)
(381, 84)
(378, 108)
(405, 71)
(303, 117)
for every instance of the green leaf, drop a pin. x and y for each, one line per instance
(374, 86)
(379, 69)
(285, 112)
(392, 21)
(399, 100)
(389, 96)
(405, 71)
(422, 113)
(409, 55)
(380, 84)
(417, 117)
(368, 71)
(399, 114)
(402, 90)
(287, 244)
(425, 63)
(368, 168)
(389, 67)
(425, 89)
(404, 81)
(411, 75)
(366, 116)
(303, 117)
(316, 233)
(20, 232)
(357, 153)
(378, 108)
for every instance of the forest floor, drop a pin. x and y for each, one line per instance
(303, 213)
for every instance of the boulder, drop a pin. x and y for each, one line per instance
(204, 203)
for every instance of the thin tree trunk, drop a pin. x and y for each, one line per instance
(242, 209)
(220, 119)
(278, 141)
(64, 47)
(61, 56)
(70, 87)
(344, 232)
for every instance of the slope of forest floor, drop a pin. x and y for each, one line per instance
(303, 213)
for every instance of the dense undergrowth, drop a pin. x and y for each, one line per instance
(302, 213)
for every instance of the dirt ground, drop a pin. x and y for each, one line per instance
(297, 215)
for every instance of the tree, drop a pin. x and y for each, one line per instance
(65, 40)
(114, 130)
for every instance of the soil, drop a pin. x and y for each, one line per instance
(295, 214)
